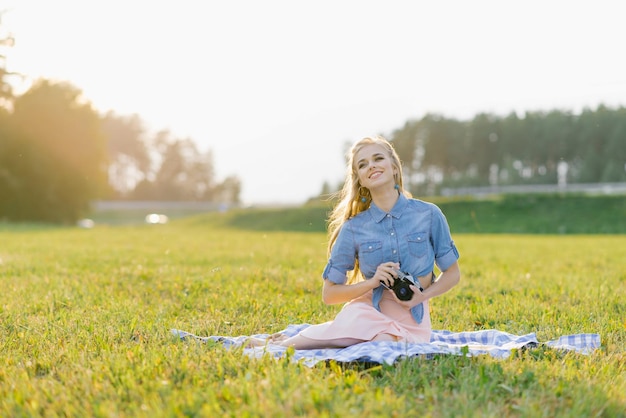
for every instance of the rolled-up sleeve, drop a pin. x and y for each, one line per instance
(342, 256)
(446, 252)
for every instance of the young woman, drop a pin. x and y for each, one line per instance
(378, 232)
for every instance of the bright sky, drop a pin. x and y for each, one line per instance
(275, 88)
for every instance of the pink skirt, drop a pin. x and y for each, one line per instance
(359, 319)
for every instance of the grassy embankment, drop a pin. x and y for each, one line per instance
(517, 214)
(85, 318)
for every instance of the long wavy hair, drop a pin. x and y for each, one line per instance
(354, 198)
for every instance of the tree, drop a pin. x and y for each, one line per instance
(9, 177)
(129, 159)
(6, 90)
(9, 169)
(61, 153)
(615, 150)
(593, 128)
(182, 172)
(228, 191)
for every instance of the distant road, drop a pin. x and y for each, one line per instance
(589, 188)
(154, 206)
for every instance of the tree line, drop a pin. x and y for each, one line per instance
(58, 155)
(536, 148)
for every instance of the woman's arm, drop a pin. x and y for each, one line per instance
(446, 281)
(333, 293)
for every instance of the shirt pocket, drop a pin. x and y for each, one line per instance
(370, 257)
(418, 244)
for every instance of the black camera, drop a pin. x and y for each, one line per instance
(401, 286)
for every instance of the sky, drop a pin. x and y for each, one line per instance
(275, 89)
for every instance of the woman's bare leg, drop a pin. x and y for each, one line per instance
(300, 342)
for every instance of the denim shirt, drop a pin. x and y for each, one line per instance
(414, 234)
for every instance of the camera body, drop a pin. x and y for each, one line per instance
(401, 286)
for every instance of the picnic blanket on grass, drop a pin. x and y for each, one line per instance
(495, 343)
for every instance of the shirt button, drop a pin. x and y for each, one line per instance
(394, 251)
(392, 233)
(370, 247)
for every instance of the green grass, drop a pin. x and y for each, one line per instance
(538, 214)
(85, 319)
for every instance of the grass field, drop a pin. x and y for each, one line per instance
(85, 319)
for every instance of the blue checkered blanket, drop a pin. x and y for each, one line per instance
(495, 343)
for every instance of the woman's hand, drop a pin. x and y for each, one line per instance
(417, 298)
(386, 274)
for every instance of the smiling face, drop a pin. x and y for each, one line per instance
(374, 167)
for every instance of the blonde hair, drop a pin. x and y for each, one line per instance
(354, 198)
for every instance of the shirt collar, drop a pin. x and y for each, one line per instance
(378, 214)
